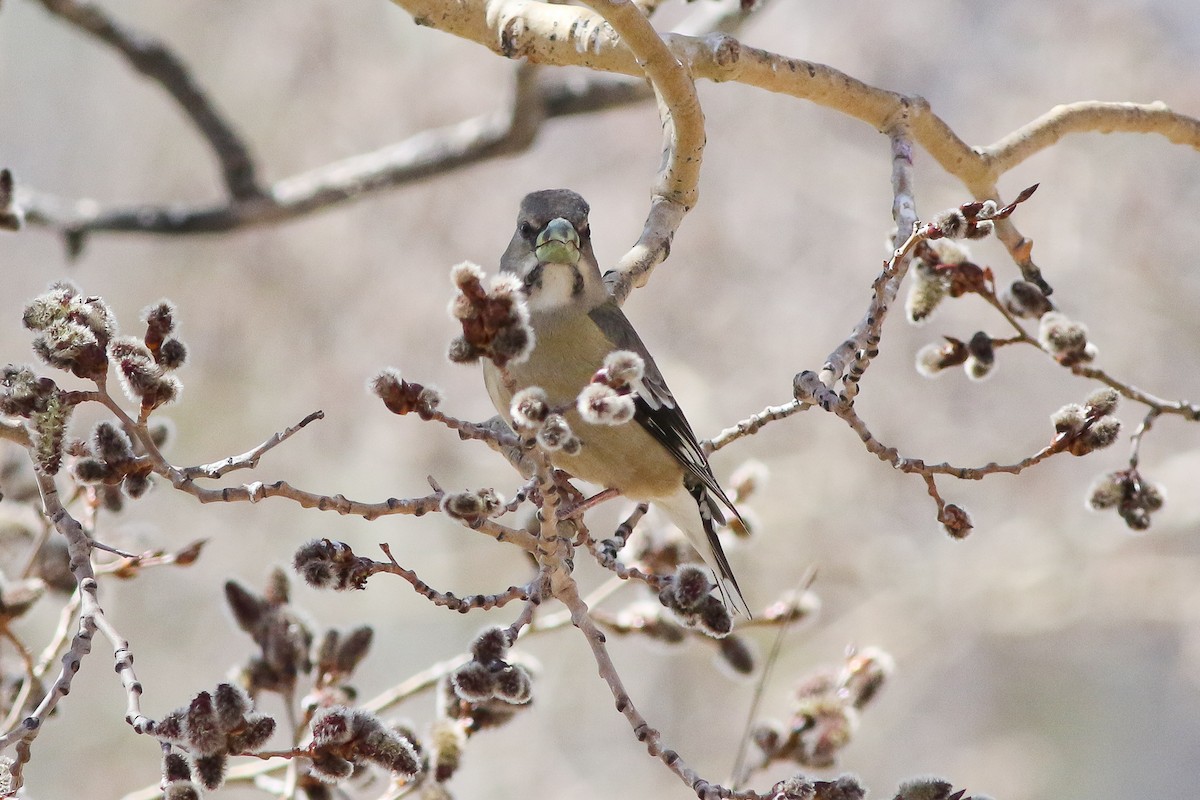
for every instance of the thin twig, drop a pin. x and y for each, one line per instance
(428, 153)
(249, 459)
(850, 360)
(448, 599)
(752, 424)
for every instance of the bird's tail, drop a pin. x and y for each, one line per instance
(696, 513)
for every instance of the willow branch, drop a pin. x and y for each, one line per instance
(427, 153)
(676, 187)
(1089, 117)
(91, 619)
(156, 61)
(569, 35)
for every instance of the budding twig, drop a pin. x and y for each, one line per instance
(448, 599)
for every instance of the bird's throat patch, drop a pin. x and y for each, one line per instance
(553, 287)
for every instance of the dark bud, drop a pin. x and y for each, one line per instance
(175, 768)
(390, 750)
(201, 726)
(52, 565)
(17, 597)
(865, 674)
(462, 352)
(181, 790)
(161, 432)
(768, 735)
(690, 586)
(231, 704)
(190, 554)
(11, 216)
(22, 393)
(1136, 518)
(403, 397)
(278, 587)
(512, 343)
(714, 617)
(1064, 338)
(172, 354)
(248, 608)
(326, 564)
(933, 358)
(159, 319)
(1069, 419)
(255, 733)
(330, 767)
(1102, 433)
(112, 499)
(795, 788)
(463, 505)
(513, 685)
(136, 484)
(473, 682)
(736, 653)
(952, 224)
(925, 789)
(170, 727)
(327, 651)
(956, 521)
(314, 790)
(490, 645)
(332, 726)
(210, 770)
(111, 444)
(845, 787)
(354, 649)
(1025, 299)
(981, 356)
(1101, 402)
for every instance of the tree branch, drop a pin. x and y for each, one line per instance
(156, 61)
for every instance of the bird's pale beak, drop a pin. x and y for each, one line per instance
(558, 243)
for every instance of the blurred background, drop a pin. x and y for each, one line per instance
(1053, 654)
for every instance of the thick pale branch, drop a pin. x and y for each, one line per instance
(676, 188)
(1090, 117)
(568, 35)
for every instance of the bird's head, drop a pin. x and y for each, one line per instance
(551, 253)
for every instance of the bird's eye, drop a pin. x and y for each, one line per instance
(525, 229)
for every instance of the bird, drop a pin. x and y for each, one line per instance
(576, 324)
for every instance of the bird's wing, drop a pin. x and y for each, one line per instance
(655, 408)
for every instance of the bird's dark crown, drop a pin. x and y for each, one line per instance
(538, 208)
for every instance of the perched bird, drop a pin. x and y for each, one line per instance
(576, 324)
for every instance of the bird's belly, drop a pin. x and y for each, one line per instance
(605, 457)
